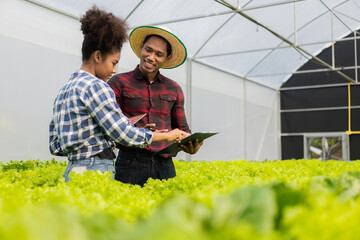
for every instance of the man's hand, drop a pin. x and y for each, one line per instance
(150, 126)
(192, 147)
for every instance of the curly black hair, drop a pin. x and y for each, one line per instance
(102, 31)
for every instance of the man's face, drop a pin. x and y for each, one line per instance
(152, 55)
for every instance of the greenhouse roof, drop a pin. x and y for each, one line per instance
(263, 41)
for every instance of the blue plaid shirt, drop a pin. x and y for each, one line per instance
(86, 118)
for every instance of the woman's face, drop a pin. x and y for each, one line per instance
(105, 67)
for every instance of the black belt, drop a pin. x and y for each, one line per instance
(106, 154)
(137, 150)
(139, 154)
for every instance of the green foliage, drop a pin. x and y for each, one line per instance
(294, 199)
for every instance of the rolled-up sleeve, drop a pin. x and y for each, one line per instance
(54, 144)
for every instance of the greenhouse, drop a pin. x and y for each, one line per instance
(276, 80)
(269, 76)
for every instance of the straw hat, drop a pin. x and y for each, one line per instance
(178, 50)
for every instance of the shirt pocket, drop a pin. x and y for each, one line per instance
(167, 102)
(133, 100)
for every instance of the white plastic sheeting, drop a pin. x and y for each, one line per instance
(237, 62)
(247, 42)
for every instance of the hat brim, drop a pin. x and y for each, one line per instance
(178, 49)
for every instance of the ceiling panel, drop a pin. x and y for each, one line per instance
(233, 41)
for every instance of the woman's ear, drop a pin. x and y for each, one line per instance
(97, 56)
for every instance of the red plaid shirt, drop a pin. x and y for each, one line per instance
(162, 100)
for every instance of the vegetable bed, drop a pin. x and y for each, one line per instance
(293, 199)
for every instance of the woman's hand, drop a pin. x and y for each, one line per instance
(176, 135)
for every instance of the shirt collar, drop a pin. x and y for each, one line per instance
(140, 76)
(82, 72)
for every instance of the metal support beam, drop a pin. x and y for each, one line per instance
(267, 125)
(219, 13)
(132, 11)
(304, 71)
(356, 60)
(245, 119)
(334, 15)
(277, 47)
(188, 99)
(53, 9)
(295, 25)
(332, 41)
(214, 33)
(233, 74)
(299, 49)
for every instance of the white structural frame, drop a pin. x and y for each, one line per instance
(241, 10)
(248, 77)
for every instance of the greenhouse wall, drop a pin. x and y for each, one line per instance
(40, 49)
(315, 104)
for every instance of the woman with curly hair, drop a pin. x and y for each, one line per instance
(86, 118)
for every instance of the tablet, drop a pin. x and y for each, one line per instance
(174, 148)
(135, 119)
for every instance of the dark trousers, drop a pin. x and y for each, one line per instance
(137, 167)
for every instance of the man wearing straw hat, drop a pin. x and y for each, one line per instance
(145, 90)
